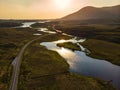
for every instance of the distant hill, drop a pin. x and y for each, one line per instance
(93, 13)
(115, 10)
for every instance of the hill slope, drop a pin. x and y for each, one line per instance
(93, 13)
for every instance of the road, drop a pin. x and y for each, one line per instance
(17, 62)
(58, 31)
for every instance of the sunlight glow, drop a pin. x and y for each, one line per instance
(61, 41)
(62, 4)
(47, 9)
(65, 53)
(63, 50)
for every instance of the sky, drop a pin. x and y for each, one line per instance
(46, 9)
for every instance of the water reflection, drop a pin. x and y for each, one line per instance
(27, 24)
(80, 63)
(37, 34)
(45, 21)
(65, 52)
(68, 55)
(60, 41)
(46, 30)
(67, 34)
(73, 40)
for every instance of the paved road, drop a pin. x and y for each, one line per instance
(58, 31)
(17, 62)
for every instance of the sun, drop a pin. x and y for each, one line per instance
(62, 4)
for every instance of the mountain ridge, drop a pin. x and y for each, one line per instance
(90, 12)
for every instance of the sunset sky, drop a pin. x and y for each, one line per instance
(46, 9)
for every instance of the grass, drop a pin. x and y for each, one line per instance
(41, 69)
(48, 25)
(103, 39)
(110, 33)
(103, 50)
(4, 24)
(39, 25)
(69, 45)
(47, 70)
(11, 41)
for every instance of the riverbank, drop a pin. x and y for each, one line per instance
(69, 45)
(47, 70)
(103, 50)
(104, 34)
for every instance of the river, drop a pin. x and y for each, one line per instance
(79, 62)
(82, 64)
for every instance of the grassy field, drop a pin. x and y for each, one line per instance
(11, 41)
(43, 69)
(38, 25)
(103, 50)
(69, 45)
(103, 39)
(43, 25)
(110, 33)
(4, 24)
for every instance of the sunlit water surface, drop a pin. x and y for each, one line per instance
(80, 63)
(27, 24)
(46, 30)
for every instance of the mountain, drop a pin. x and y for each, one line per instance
(94, 13)
(115, 10)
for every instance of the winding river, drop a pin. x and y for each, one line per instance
(82, 64)
(79, 62)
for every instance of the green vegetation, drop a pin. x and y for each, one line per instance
(38, 25)
(48, 25)
(103, 50)
(106, 32)
(103, 39)
(43, 69)
(5, 24)
(69, 45)
(11, 41)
